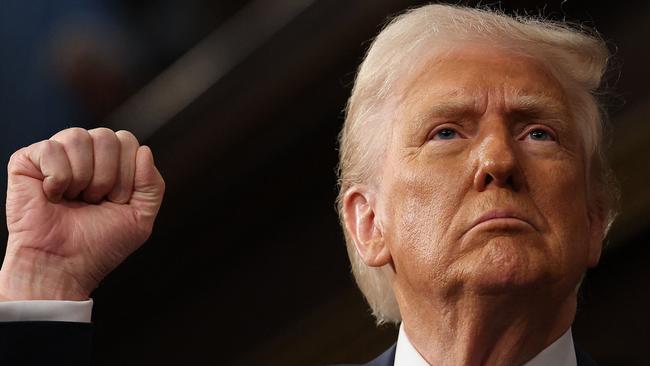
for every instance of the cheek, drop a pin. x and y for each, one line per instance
(421, 203)
(559, 192)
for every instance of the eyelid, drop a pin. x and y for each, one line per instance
(446, 126)
(544, 128)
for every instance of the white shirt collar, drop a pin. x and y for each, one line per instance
(559, 353)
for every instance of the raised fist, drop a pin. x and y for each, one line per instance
(77, 205)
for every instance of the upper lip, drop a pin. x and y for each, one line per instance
(499, 214)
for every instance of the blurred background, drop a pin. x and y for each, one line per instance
(241, 102)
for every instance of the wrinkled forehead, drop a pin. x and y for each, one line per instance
(467, 76)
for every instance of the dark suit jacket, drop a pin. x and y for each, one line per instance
(388, 358)
(63, 343)
(45, 343)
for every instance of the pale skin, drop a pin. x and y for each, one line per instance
(481, 212)
(77, 205)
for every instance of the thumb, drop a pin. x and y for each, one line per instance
(148, 185)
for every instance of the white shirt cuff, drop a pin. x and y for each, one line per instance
(46, 310)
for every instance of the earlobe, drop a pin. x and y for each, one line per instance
(363, 226)
(596, 236)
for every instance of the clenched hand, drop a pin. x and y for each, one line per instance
(77, 205)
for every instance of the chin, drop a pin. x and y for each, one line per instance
(506, 265)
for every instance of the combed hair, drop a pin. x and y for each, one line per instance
(576, 56)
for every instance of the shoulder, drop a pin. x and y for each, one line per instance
(385, 359)
(583, 359)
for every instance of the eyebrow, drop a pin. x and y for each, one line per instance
(448, 109)
(538, 105)
(452, 108)
(526, 105)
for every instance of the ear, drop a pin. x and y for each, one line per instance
(363, 226)
(597, 229)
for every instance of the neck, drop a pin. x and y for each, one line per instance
(486, 330)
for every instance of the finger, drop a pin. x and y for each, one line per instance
(123, 187)
(45, 161)
(106, 155)
(78, 146)
(149, 186)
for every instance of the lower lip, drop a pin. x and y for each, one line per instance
(502, 223)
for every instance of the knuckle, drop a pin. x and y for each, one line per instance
(104, 139)
(60, 178)
(101, 132)
(74, 135)
(103, 135)
(49, 147)
(69, 132)
(127, 136)
(16, 160)
(76, 130)
(16, 155)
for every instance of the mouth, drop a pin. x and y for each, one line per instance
(500, 219)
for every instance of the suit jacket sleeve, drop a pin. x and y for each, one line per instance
(45, 343)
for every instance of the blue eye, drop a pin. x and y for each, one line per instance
(540, 135)
(445, 134)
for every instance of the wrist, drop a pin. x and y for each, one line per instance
(41, 277)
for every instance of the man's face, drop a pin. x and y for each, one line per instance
(483, 187)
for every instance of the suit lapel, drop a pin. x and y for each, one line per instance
(385, 359)
(583, 358)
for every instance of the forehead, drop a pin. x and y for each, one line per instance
(472, 74)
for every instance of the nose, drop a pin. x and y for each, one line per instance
(496, 159)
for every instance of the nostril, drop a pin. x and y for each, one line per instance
(508, 181)
(488, 179)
